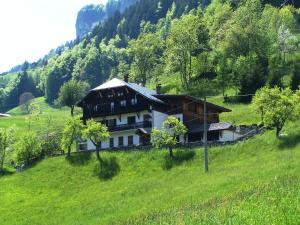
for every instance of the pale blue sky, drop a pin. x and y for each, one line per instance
(30, 28)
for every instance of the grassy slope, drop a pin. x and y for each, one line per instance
(252, 182)
(256, 182)
(19, 118)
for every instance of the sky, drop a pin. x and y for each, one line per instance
(29, 29)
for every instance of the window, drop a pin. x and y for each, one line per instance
(112, 106)
(123, 103)
(130, 140)
(121, 141)
(111, 123)
(111, 142)
(133, 101)
(147, 117)
(120, 94)
(131, 120)
(82, 146)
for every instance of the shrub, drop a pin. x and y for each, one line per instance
(51, 143)
(27, 149)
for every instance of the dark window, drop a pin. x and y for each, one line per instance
(130, 140)
(121, 141)
(112, 107)
(147, 117)
(213, 136)
(133, 101)
(82, 147)
(131, 120)
(195, 137)
(123, 103)
(111, 142)
(111, 123)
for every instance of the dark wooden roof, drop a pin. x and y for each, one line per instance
(116, 83)
(193, 99)
(195, 127)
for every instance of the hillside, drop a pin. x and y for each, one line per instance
(229, 50)
(91, 15)
(253, 182)
(19, 116)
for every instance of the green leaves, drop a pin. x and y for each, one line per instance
(6, 140)
(188, 38)
(71, 132)
(72, 92)
(276, 106)
(95, 131)
(145, 53)
(167, 136)
(28, 148)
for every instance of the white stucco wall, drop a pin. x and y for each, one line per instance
(228, 135)
(158, 119)
(115, 136)
(123, 120)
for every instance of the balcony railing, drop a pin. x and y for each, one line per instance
(108, 110)
(145, 124)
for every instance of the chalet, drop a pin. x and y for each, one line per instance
(130, 111)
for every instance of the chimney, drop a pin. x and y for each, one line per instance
(126, 78)
(158, 89)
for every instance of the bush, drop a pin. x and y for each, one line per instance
(27, 149)
(51, 143)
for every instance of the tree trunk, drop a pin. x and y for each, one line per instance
(171, 152)
(72, 110)
(98, 153)
(69, 151)
(278, 129)
(1, 166)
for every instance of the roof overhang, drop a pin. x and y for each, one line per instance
(194, 99)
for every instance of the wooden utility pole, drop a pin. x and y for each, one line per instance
(205, 138)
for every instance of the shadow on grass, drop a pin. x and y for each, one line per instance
(289, 141)
(79, 159)
(179, 158)
(6, 172)
(107, 169)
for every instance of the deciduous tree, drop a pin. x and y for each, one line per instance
(277, 106)
(96, 132)
(71, 132)
(72, 92)
(168, 136)
(6, 140)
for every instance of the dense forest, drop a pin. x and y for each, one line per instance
(207, 49)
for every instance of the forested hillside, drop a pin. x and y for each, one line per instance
(238, 46)
(91, 15)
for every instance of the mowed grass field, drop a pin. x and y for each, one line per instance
(20, 117)
(252, 182)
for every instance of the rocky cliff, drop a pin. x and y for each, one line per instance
(91, 15)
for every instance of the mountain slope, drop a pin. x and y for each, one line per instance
(246, 185)
(91, 15)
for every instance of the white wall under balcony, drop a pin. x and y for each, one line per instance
(123, 119)
(115, 136)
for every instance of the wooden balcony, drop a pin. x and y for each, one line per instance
(123, 127)
(107, 110)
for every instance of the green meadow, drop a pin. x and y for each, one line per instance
(252, 182)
